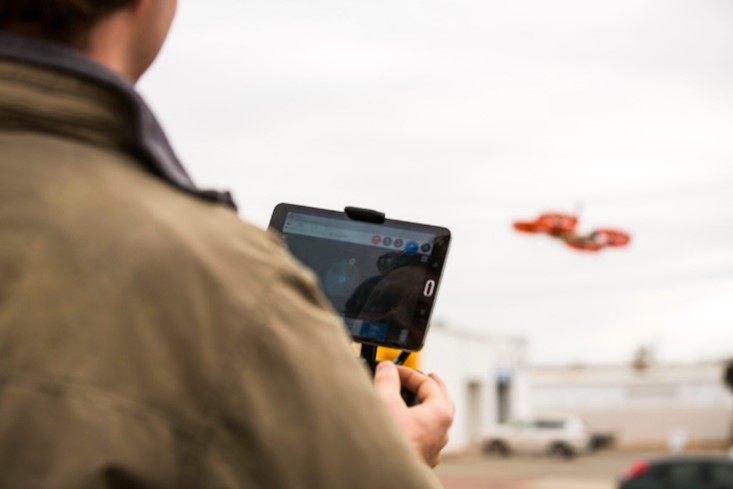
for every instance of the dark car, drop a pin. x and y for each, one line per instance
(680, 472)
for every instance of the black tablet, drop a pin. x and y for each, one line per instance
(381, 275)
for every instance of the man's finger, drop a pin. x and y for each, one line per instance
(387, 380)
(440, 383)
(422, 385)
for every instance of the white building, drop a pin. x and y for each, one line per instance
(649, 406)
(485, 376)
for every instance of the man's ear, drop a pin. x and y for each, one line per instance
(140, 5)
(151, 22)
(129, 39)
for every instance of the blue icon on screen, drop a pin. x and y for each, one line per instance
(373, 331)
(411, 248)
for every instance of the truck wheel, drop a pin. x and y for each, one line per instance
(561, 450)
(497, 447)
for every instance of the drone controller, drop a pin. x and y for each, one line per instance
(381, 275)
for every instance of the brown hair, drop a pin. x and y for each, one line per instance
(66, 21)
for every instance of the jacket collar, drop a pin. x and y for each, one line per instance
(145, 137)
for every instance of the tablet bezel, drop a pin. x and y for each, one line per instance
(433, 268)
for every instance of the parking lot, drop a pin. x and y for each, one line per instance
(474, 471)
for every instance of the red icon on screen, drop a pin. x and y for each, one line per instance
(376, 239)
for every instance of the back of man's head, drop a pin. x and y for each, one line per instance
(65, 21)
(124, 35)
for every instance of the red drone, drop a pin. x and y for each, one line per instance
(562, 226)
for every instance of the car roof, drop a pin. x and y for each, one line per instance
(697, 458)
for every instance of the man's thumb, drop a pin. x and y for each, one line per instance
(387, 379)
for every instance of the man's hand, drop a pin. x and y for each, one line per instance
(426, 424)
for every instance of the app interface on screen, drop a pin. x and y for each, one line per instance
(373, 275)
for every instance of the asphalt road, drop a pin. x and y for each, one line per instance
(474, 471)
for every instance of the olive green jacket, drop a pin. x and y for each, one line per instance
(148, 337)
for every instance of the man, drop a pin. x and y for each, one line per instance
(148, 338)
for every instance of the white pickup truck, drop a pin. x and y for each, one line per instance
(561, 436)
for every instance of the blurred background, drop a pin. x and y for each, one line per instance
(473, 114)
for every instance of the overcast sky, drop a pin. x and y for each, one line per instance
(470, 114)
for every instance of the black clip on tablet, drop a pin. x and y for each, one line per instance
(369, 352)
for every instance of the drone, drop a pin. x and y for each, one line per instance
(563, 227)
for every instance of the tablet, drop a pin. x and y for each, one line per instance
(381, 275)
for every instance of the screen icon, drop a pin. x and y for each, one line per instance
(387, 241)
(398, 243)
(373, 331)
(411, 248)
(376, 239)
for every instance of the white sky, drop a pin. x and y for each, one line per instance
(470, 114)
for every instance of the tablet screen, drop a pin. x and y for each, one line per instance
(381, 278)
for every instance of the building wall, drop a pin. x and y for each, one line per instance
(654, 427)
(471, 366)
(642, 407)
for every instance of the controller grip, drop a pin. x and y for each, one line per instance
(409, 397)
